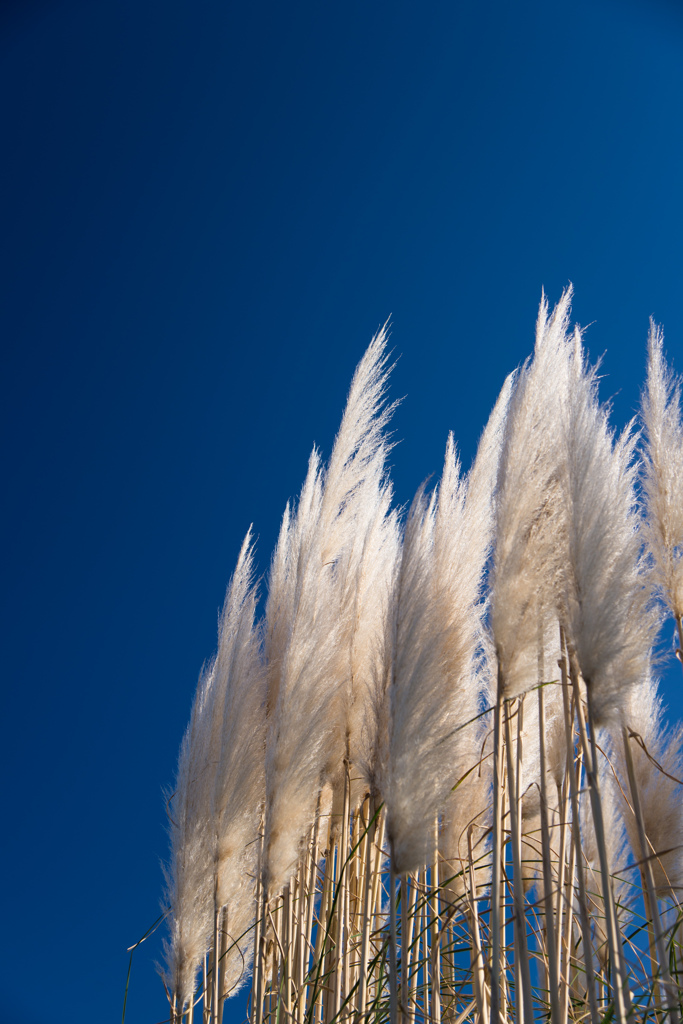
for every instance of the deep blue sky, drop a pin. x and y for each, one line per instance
(207, 209)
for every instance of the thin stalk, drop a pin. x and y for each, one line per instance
(413, 944)
(358, 837)
(563, 807)
(424, 939)
(506, 920)
(288, 946)
(366, 911)
(568, 918)
(554, 979)
(347, 940)
(497, 854)
(341, 952)
(477, 956)
(518, 885)
(260, 935)
(668, 990)
(652, 948)
(332, 927)
(576, 837)
(324, 927)
(377, 873)
(222, 959)
(393, 967)
(207, 990)
(518, 880)
(310, 906)
(216, 953)
(300, 927)
(279, 967)
(620, 980)
(435, 1004)
(405, 950)
(257, 981)
(326, 872)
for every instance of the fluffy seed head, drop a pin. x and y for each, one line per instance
(662, 474)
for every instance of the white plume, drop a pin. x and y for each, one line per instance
(189, 889)
(529, 511)
(609, 616)
(663, 474)
(239, 789)
(310, 616)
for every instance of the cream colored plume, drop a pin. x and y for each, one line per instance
(529, 510)
(304, 681)
(366, 563)
(420, 716)
(368, 618)
(663, 474)
(310, 614)
(189, 889)
(462, 542)
(218, 797)
(239, 788)
(434, 697)
(369, 737)
(609, 616)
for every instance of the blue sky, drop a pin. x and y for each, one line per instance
(207, 210)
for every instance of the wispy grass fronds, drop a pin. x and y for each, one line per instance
(309, 641)
(405, 794)
(420, 719)
(370, 650)
(529, 510)
(609, 614)
(189, 892)
(463, 537)
(663, 474)
(303, 682)
(215, 807)
(239, 789)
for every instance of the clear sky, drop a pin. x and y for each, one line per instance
(207, 210)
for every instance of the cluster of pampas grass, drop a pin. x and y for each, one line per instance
(435, 781)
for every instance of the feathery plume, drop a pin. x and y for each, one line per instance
(420, 716)
(369, 738)
(217, 795)
(188, 874)
(239, 788)
(308, 611)
(609, 616)
(462, 542)
(434, 739)
(529, 513)
(379, 657)
(303, 702)
(369, 646)
(663, 474)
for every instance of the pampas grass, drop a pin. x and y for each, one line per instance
(434, 782)
(663, 475)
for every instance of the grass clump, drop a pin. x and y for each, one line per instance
(434, 783)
